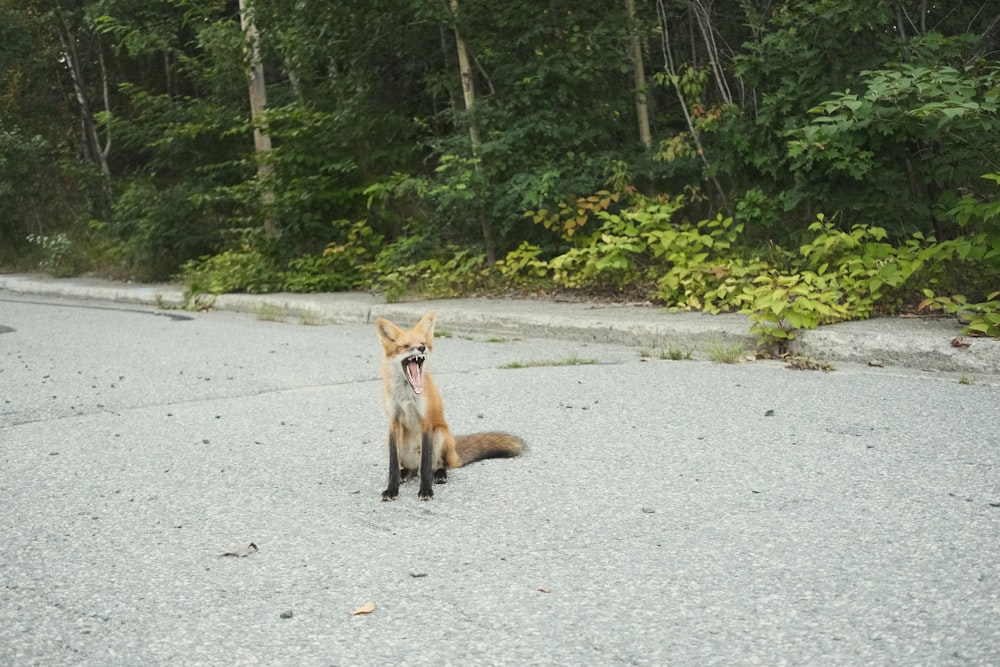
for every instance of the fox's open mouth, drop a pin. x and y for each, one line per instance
(413, 369)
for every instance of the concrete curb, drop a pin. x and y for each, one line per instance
(916, 343)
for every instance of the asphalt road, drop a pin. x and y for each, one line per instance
(666, 512)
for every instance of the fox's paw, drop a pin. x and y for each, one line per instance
(426, 494)
(389, 494)
(440, 476)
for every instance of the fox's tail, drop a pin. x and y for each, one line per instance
(480, 446)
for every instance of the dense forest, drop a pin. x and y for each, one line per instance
(805, 160)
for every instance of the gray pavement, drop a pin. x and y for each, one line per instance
(915, 343)
(665, 513)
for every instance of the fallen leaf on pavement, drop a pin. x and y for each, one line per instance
(798, 363)
(958, 341)
(364, 609)
(877, 363)
(241, 551)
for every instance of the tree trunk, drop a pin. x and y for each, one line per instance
(468, 83)
(668, 65)
(91, 138)
(258, 103)
(703, 15)
(469, 95)
(639, 73)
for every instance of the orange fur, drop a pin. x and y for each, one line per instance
(419, 438)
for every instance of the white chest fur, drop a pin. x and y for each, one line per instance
(406, 407)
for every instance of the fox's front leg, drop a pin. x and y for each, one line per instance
(392, 490)
(426, 466)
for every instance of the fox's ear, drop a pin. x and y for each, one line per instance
(387, 331)
(426, 324)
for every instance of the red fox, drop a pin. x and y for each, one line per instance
(419, 437)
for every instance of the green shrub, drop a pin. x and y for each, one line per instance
(981, 319)
(157, 228)
(326, 273)
(240, 270)
(52, 250)
(839, 275)
(456, 272)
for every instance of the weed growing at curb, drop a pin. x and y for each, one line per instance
(670, 354)
(723, 353)
(269, 313)
(569, 361)
(310, 319)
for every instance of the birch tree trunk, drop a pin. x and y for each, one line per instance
(469, 96)
(671, 69)
(639, 74)
(258, 103)
(702, 11)
(91, 138)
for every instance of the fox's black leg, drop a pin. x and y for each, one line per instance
(426, 461)
(392, 490)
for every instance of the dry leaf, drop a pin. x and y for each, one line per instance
(241, 551)
(877, 363)
(364, 609)
(958, 341)
(544, 590)
(798, 363)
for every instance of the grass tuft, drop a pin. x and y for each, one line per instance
(569, 361)
(726, 353)
(270, 313)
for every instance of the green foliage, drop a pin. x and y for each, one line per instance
(567, 220)
(137, 145)
(314, 179)
(797, 56)
(240, 270)
(157, 228)
(970, 212)
(980, 253)
(641, 245)
(838, 275)
(523, 265)
(255, 265)
(29, 177)
(854, 275)
(327, 273)
(681, 264)
(928, 131)
(779, 304)
(250, 270)
(456, 272)
(981, 319)
(53, 251)
(704, 272)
